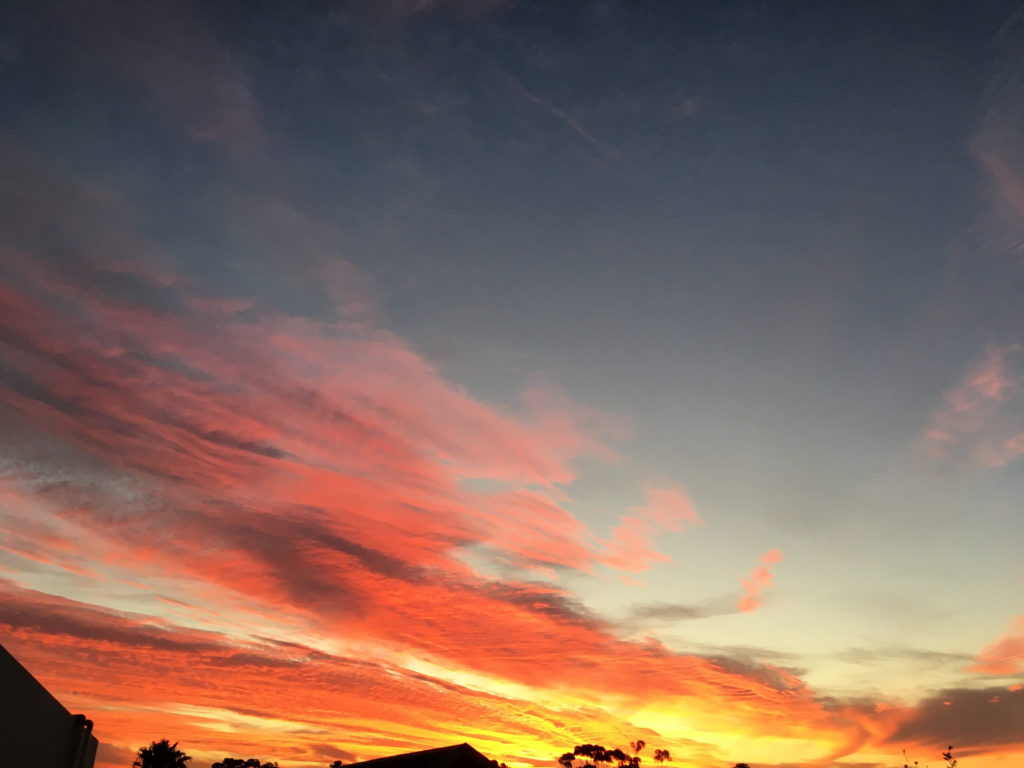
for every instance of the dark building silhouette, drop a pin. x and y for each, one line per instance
(35, 729)
(455, 756)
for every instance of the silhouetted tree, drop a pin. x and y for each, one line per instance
(335, 764)
(594, 755)
(237, 762)
(161, 754)
(741, 765)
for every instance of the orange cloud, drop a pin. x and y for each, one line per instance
(219, 693)
(264, 522)
(283, 505)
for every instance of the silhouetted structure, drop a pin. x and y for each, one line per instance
(455, 756)
(35, 729)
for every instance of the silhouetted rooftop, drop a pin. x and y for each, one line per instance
(35, 728)
(455, 756)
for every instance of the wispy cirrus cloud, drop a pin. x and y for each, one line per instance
(980, 418)
(1004, 657)
(666, 611)
(604, 149)
(996, 142)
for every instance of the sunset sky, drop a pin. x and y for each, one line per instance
(386, 374)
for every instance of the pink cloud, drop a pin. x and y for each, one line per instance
(631, 547)
(759, 580)
(668, 508)
(748, 603)
(771, 556)
(1005, 656)
(978, 419)
(987, 380)
(308, 469)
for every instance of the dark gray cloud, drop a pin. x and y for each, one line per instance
(47, 615)
(664, 611)
(868, 656)
(539, 598)
(747, 652)
(966, 718)
(754, 669)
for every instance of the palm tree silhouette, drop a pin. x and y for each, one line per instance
(161, 754)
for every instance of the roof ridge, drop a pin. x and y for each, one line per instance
(425, 754)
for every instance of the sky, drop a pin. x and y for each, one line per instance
(386, 374)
